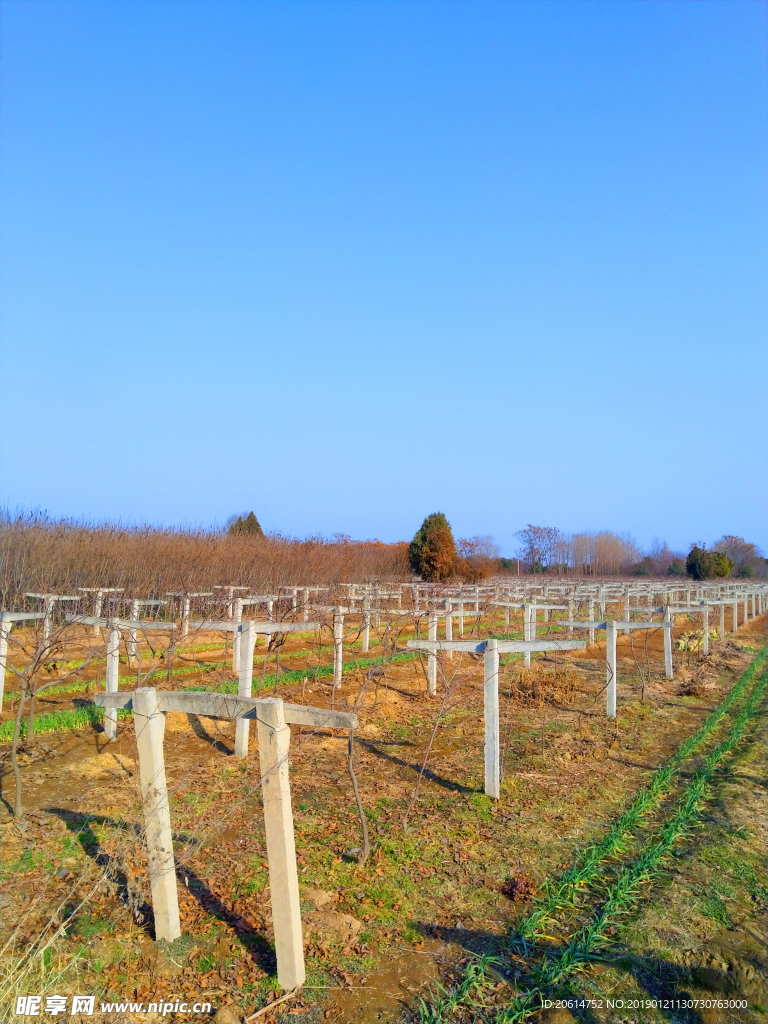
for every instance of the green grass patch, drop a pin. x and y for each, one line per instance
(80, 718)
(318, 672)
(60, 721)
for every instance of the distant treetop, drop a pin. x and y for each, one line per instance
(704, 565)
(245, 524)
(432, 553)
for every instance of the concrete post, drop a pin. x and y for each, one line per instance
(132, 648)
(527, 632)
(492, 756)
(461, 618)
(185, 617)
(627, 613)
(449, 625)
(735, 607)
(48, 603)
(270, 608)
(506, 617)
(668, 624)
(237, 635)
(705, 630)
(338, 639)
(366, 622)
(305, 604)
(5, 629)
(591, 619)
(245, 685)
(274, 742)
(97, 611)
(113, 678)
(611, 670)
(721, 630)
(477, 600)
(150, 727)
(571, 615)
(601, 597)
(432, 655)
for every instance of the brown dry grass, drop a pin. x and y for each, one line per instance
(42, 554)
(540, 685)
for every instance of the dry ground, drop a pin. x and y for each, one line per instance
(449, 871)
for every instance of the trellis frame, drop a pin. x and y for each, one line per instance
(273, 718)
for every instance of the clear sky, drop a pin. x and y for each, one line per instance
(346, 264)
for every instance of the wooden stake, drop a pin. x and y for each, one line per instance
(270, 1006)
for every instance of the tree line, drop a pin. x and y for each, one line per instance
(434, 555)
(44, 554)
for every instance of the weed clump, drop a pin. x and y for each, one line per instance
(520, 887)
(537, 686)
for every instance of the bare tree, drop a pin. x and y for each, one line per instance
(539, 544)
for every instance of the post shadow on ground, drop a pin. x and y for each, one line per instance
(373, 748)
(129, 895)
(202, 734)
(659, 978)
(260, 950)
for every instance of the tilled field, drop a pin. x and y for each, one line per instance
(451, 875)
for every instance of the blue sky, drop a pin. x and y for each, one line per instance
(347, 264)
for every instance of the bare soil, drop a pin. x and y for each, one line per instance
(450, 872)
